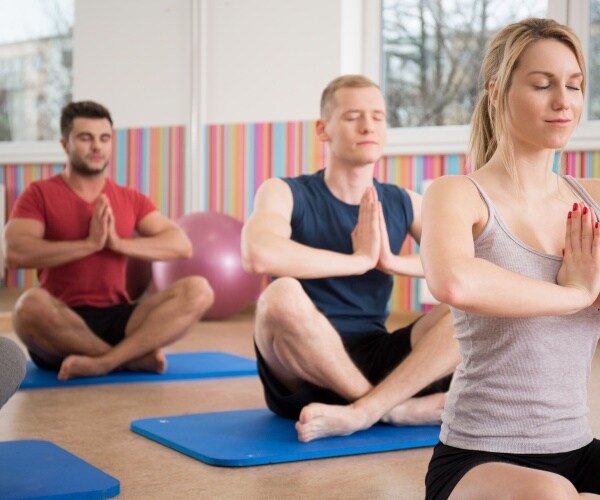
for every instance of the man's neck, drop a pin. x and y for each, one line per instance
(88, 187)
(348, 184)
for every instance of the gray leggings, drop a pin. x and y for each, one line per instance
(12, 368)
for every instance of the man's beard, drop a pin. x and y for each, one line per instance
(82, 168)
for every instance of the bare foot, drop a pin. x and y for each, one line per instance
(319, 420)
(154, 362)
(74, 366)
(426, 410)
(87, 366)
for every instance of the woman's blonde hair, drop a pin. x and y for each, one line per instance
(488, 126)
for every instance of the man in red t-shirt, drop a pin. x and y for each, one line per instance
(76, 229)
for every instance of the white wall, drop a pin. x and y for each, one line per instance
(134, 57)
(263, 60)
(268, 60)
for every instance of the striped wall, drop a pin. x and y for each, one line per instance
(584, 165)
(149, 159)
(237, 159)
(152, 160)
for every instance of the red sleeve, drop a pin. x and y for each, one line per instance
(30, 205)
(144, 205)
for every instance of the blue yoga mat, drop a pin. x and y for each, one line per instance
(42, 470)
(181, 366)
(257, 437)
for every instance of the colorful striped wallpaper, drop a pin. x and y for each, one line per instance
(152, 160)
(584, 165)
(148, 159)
(237, 159)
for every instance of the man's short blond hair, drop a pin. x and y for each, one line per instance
(341, 82)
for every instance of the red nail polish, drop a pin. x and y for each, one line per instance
(569, 216)
(575, 206)
(584, 210)
(563, 251)
(596, 225)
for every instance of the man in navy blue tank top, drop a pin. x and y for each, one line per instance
(333, 239)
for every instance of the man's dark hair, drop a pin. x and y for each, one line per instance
(81, 109)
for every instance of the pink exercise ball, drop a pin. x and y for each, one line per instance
(217, 257)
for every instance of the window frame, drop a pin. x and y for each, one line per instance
(454, 139)
(24, 152)
(32, 152)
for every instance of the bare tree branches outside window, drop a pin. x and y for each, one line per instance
(35, 67)
(432, 52)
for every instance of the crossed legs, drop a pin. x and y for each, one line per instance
(49, 328)
(299, 344)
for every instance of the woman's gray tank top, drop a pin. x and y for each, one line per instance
(522, 384)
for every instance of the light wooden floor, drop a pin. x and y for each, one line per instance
(93, 423)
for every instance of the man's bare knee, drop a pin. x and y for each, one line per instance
(194, 294)
(284, 302)
(33, 306)
(285, 316)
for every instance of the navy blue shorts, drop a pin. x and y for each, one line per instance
(108, 323)
(375, 354)
(448, 466)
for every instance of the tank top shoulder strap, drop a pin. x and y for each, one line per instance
(486, 199)
(580, 190)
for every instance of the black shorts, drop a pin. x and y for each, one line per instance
(375, 354)
(448, 466)
(108, 323)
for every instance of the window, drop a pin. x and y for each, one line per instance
(426, 55)
(432, 51)
(35, 70)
